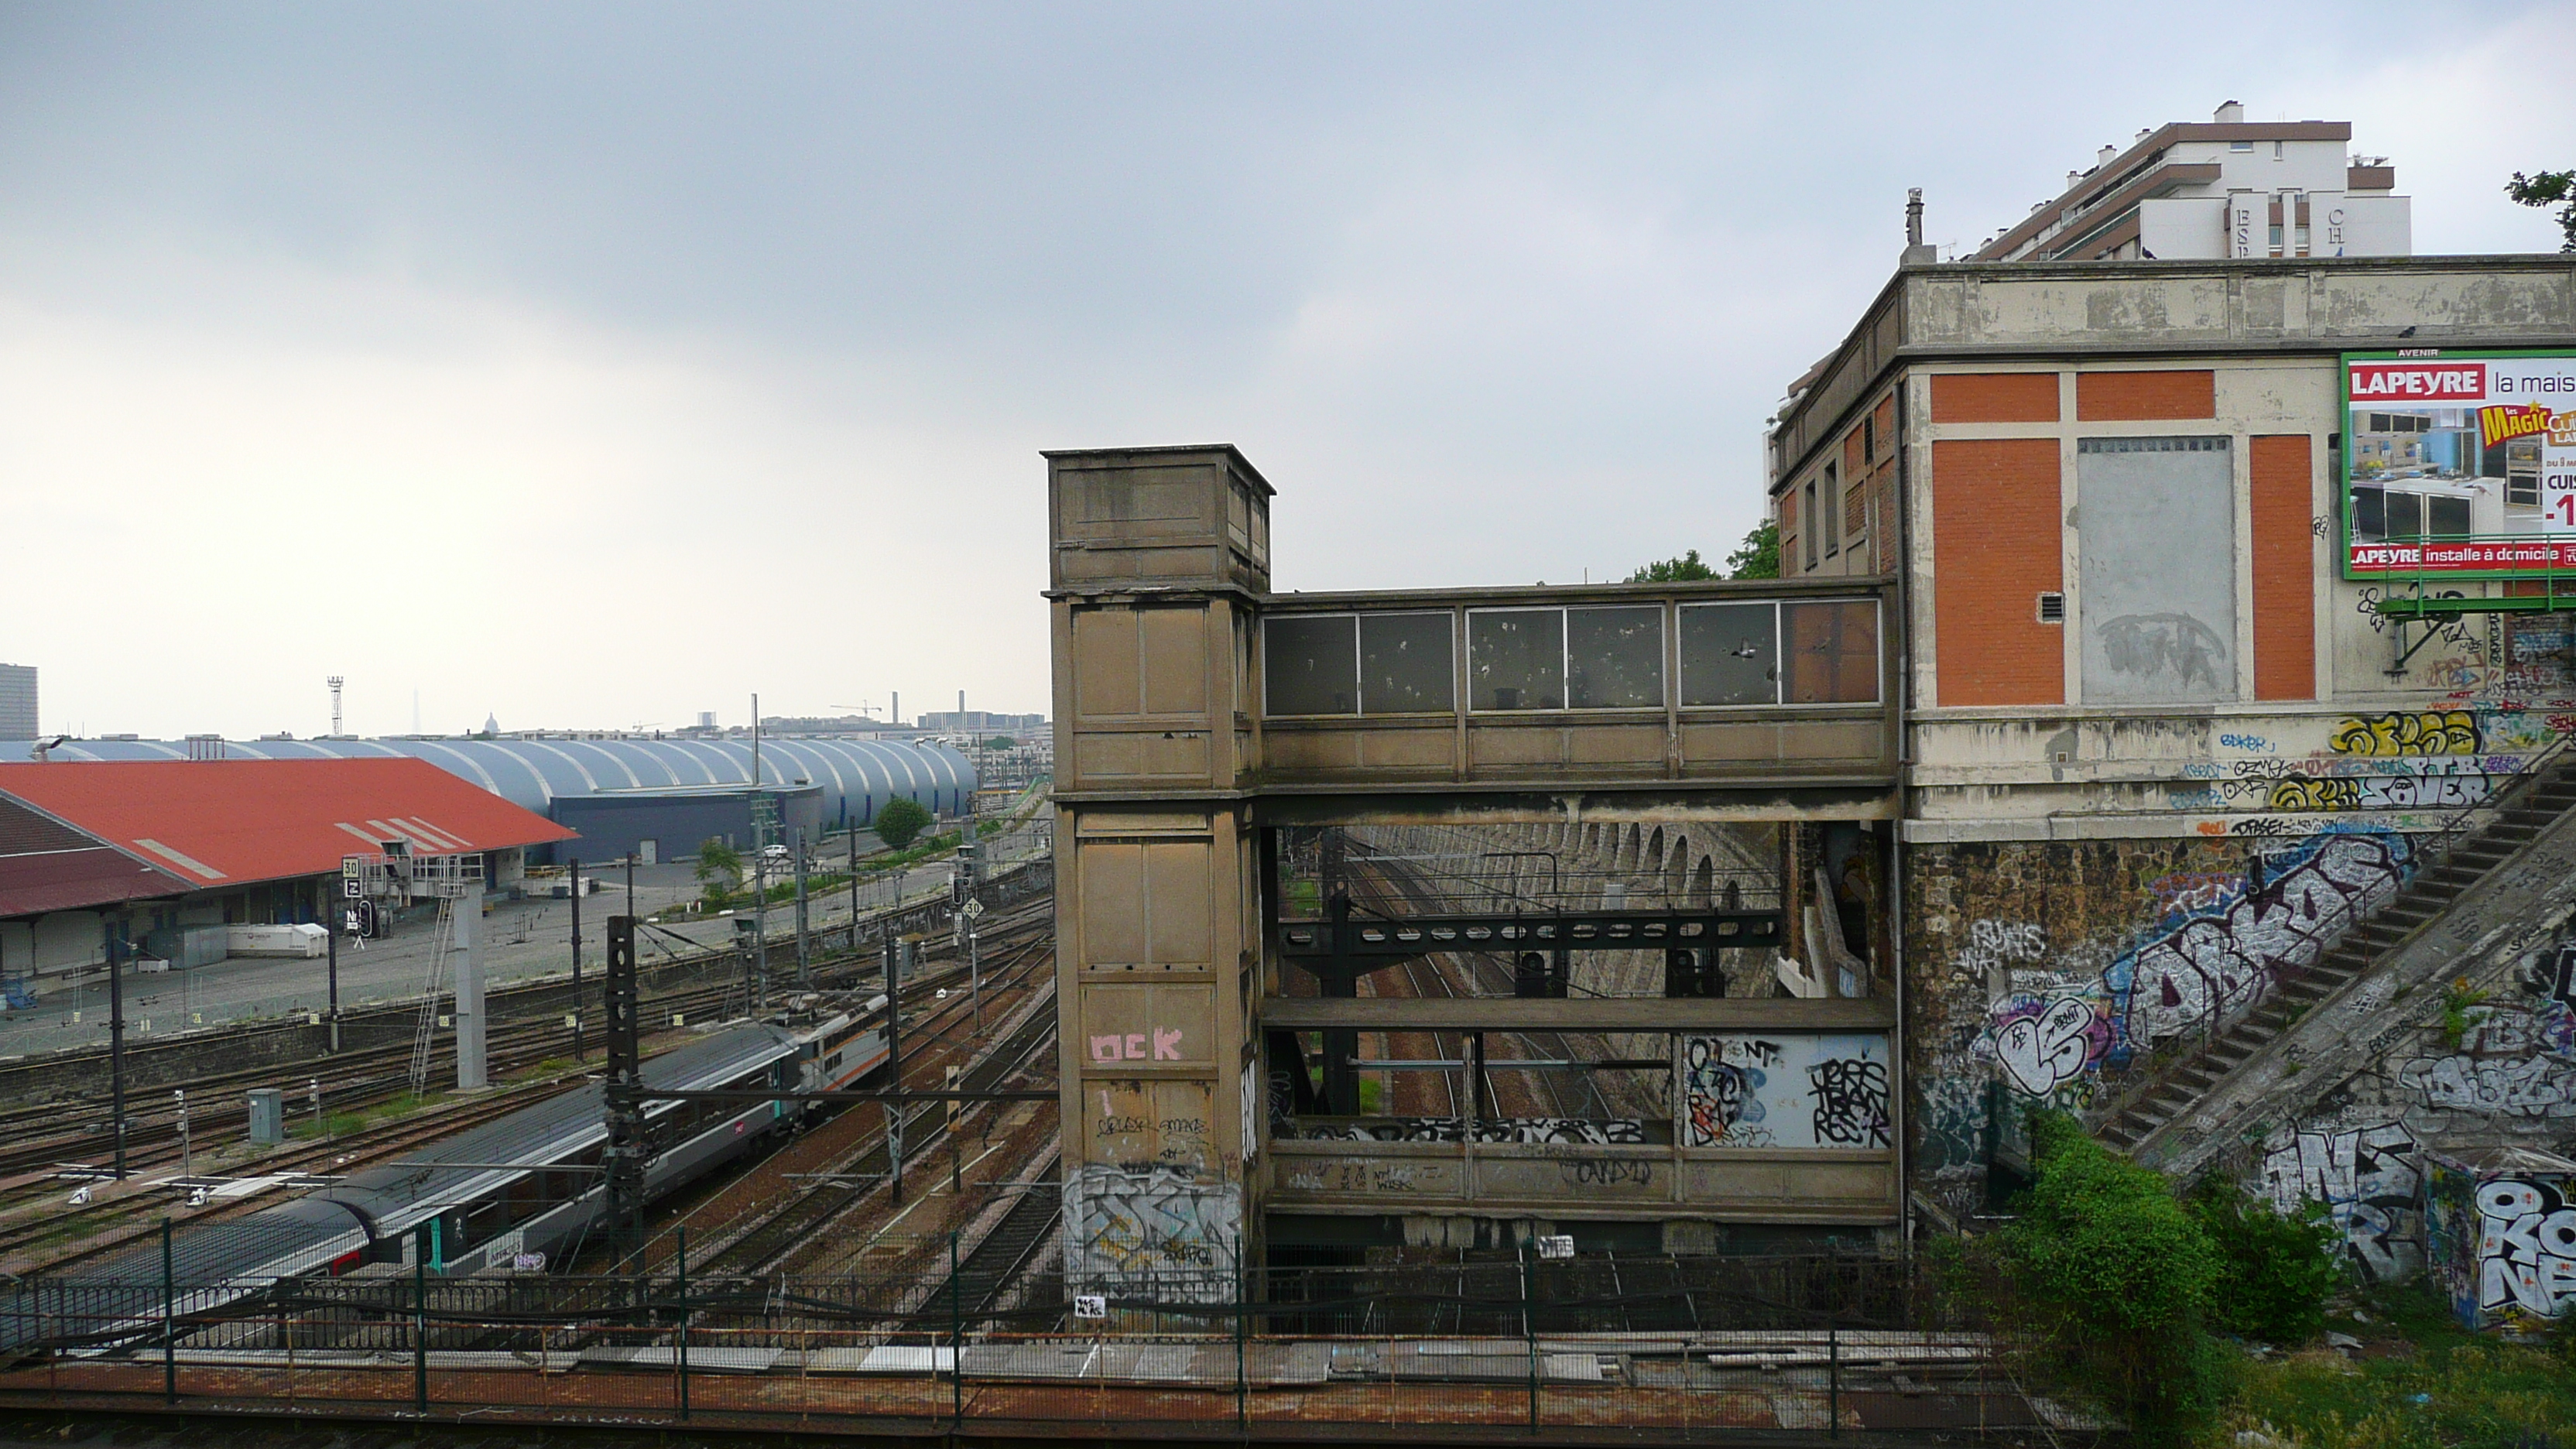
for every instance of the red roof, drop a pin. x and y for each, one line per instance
(213, 823)
(46, 865)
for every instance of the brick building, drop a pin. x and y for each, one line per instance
(2230, 693)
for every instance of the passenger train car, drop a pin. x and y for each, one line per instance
(523, 1191)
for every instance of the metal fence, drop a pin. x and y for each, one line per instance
(1648, 1347)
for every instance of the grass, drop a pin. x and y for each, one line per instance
(2424, 1382)
(337, 1124)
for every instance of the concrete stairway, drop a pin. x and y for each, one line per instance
(2225, 1084)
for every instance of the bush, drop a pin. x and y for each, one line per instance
(900, 822)
(2118, 1278)
(2279, 1269)
(719, 870)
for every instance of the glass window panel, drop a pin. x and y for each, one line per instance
(1405, 664)
(1614, 657)
(1730, 654)
(2369, 514)
(1833, 652)
(2446, 517)
(2405, 515)
(1516, 659)
(1311, 666)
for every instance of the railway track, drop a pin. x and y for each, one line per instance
(772, 1236)
(327, 1158)
(369, 1076)
(987, 1271)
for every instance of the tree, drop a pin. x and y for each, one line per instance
(2549, 188)
(1758, 557)
(1681, 570)
(719, 869)
(2111, 1268)
(900, 823)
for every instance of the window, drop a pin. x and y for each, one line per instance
(1310, 665)
(1607, 657)
(1329, 664)
(1405, 664)
(1516, 659)
(1614, 657)
(1812, 525)
(1832, 519)
(1832, 653)
(1730, 654)
(2242, 146)
(1869, 439)
(2276, 150)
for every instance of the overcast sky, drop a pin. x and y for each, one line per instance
(597, 365)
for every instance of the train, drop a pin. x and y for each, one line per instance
(523, 1192)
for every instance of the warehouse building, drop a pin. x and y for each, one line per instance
(170, 853)
(655, 798)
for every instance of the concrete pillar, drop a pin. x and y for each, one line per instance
(466, 952)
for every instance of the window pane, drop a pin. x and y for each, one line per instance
(1615, 657)
(1516, 659)
(2447, 517)
(1405, 664)
(1311, 666)
(2369, 516)
(2405, 515)
(1730, 654)
(1833, 652)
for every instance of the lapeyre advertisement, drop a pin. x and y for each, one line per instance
(2460, 464)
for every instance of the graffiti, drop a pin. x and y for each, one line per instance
(1607, 1172)
(1153, 1233)
(1807, 1091)
(2207, 967)
(2526, 1247)
(1132, 1048)
(1524, 1130)
(2245, 742)
(2175, 647)
(2199, 890)
(1851, 1102)
(2537, 1086)
(1999, 943)
(2404, 732)
(2045, 1048)
(2368, 1181)
(2399, 792)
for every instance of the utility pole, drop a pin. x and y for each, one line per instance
(116, 1042)
(759, 857)
(576, 957)
(334, 939)
(467, 937)
(894, 954)
(624, 1155)
(854, 888)
(804, 957)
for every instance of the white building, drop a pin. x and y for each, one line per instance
(2228, 188)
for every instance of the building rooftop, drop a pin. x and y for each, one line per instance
(46, 865)
(236, 822)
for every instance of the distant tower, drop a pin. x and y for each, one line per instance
(335, 704)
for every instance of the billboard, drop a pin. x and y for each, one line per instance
(2460, 465)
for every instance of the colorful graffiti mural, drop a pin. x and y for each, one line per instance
(2215, 953)
(2369, 1183)
(1783, 1090)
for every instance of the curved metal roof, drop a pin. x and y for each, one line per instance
(858, 776)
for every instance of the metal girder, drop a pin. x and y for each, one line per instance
(1556, 931)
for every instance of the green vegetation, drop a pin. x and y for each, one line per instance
(719, 870)
(2279, 1270)
(1685, 569)
(2459, 999)
(2419, 1381)
(900, 823)
(1758, 557)
(339, 1124)
(1372, 1096)
(988, 828)
(2105, 1263)
(2549, 188)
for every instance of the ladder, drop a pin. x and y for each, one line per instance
(440, 935)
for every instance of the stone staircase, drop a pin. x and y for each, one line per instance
(2380, 959)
